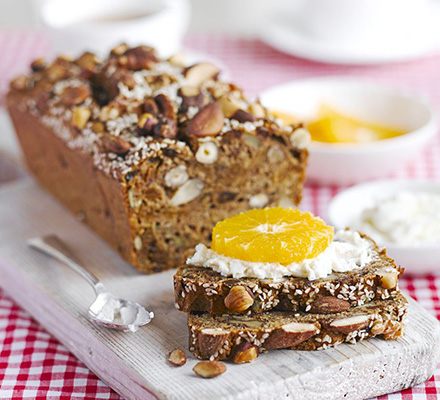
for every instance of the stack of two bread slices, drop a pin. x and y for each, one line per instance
(239, 318)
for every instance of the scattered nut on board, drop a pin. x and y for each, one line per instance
(209, 369)
(177, 357)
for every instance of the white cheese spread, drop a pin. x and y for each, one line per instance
(406, 218)
(347, 251)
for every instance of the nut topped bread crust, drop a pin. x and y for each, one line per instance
(199, 289)
(151, 153)
(222, 337)
(133, 106)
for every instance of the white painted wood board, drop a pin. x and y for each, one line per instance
(135, 364)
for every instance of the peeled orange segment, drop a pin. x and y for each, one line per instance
(272, 235)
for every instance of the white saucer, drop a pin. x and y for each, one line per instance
(282, 32)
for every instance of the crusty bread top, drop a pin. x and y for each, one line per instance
(133, 107)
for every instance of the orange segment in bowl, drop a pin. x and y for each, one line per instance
(333, 127)
(272, 235)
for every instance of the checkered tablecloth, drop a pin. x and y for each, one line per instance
(34, 365)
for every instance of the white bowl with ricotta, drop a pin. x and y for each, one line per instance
(401, 215)
(343, 164)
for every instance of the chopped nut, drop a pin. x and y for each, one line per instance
(378, 328)
(239, 299)
(166, 106)
(20, 83)
(38, 65)
(75, 95)
(229, 105)
(393, 330)
(329, 305)
(210, 341)
(150, 107)
(199, 73)
(245, 352)
(177, 59)
(108, 113)
(257, 110)
(207, 153)
(251, 140)
(290, 335)
(177, 357)
(55, 72)
(350, 324)
(165, 129)
(119, 49)
(116, 145)
(189, 191)
(137, 58)
(209, 369)
(388, 278)
(275, 155)
(300, 138)
(80, 117)
(258, 201)
(87, 60)
(191, 97)
(176, 177)
(147, 122)
(254, 324)
(98, 127)
(286, 202)
(207, 122)
(224, 197)
(243, 116)
(137, 243)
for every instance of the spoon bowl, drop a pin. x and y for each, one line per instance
(107, 310)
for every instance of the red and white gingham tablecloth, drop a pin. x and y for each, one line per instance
(34, 365)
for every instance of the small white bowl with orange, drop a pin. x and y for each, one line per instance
(360, 130)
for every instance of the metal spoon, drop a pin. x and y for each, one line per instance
(107, 310)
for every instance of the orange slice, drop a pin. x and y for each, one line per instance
(272, 235)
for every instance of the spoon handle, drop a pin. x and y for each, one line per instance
(54, 247)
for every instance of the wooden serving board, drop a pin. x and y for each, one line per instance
(135, 364)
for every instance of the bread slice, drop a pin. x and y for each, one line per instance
(199, 289)
(221, 337)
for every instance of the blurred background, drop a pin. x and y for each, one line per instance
(233, 17)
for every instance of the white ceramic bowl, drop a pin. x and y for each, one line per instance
(344, 164)
(100, 25)
(347, 206)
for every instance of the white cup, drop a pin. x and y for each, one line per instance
(99, 25)
(359, 20)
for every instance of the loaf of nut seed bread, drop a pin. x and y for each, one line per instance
(199, 289)
(227, 336)
(151, 153)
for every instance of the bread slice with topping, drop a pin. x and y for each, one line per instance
(236, 336)
(199, 289)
